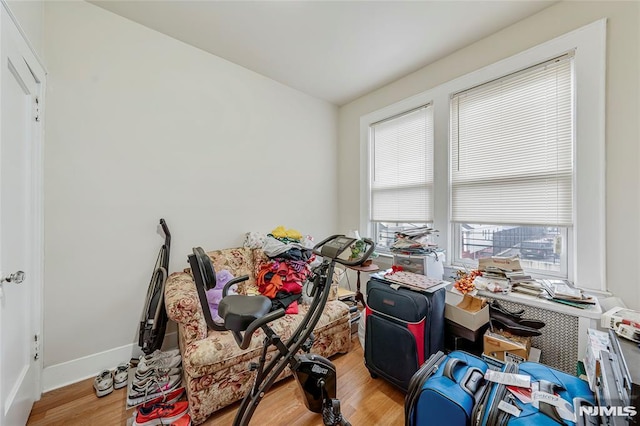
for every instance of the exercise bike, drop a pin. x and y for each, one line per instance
(243, 315)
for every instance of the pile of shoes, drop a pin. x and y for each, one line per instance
(512, 321)
(155, 375)
(155, 388)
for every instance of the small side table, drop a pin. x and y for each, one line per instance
(369, 268)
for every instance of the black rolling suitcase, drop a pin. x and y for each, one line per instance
(403, 328)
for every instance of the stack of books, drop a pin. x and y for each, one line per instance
(531, 287)
(506, 272)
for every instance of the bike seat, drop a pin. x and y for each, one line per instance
(239, 311)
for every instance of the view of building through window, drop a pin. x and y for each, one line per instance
(535, 245)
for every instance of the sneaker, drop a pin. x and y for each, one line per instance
(161, 414)
(121, 375)
(154, 385)
(182, 421)
(169, 361)
(160, 354)
(156, 372)
(169, 398)
(103, 383)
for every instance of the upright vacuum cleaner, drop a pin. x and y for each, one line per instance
(153, 322)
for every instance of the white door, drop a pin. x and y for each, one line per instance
(20, 225)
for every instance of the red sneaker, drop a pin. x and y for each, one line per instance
(169, 398)
(160, 414)
(182, 421)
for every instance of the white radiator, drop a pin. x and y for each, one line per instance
(563, 339)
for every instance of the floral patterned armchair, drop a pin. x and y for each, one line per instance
(215, 370)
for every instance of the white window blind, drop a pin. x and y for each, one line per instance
(402, 167)
(512, 148)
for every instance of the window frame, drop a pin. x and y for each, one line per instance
(586, 242)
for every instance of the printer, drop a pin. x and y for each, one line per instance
(430, 263)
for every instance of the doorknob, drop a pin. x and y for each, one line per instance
(16, 277)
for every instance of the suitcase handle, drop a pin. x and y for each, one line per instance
(450, 365)
(472, 380)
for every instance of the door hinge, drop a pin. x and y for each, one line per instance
(36, 347)
(36, 109)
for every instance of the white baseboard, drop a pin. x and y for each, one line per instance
(67, 373)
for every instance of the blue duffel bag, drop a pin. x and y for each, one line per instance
(444, 390)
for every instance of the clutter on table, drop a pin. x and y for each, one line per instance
(505, 275)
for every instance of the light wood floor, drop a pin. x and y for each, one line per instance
(364, 401)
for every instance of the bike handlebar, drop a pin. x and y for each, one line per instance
(345, 262)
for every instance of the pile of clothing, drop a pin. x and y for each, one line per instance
(281, 278)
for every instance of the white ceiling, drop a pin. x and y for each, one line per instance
(333, 50)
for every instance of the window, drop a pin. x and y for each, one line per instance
(401, 173)
(512, 166)
(539, 247)
(544, 199)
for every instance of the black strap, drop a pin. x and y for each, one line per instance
(545, 408)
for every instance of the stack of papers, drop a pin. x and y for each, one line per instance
(505, 271)
(562, 291)
(413, 241)
(528, 287)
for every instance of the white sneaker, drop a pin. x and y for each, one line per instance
(121, 375)
(163, 361)
(154, 385)
(161, 354)
(140, 376)
(103, 383)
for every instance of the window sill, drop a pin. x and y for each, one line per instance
(592, 312)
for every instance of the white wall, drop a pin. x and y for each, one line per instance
(30, 16)
(622, 124)
(140, 126)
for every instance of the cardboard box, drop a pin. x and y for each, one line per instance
(496, 364)
(505, 346)
(502, 263)
(467, 311)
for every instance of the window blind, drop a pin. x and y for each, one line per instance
(402, 167)
(512, 148)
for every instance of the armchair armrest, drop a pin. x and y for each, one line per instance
(183, 306)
